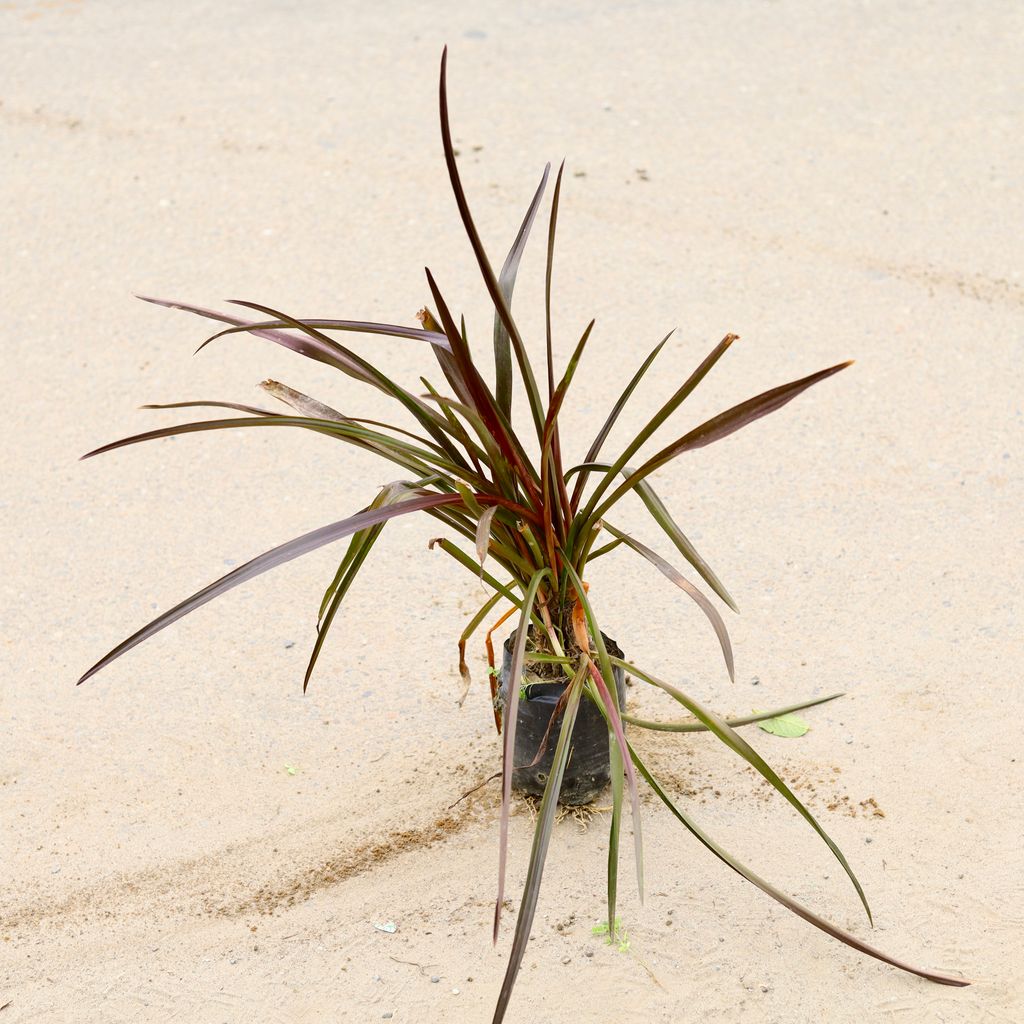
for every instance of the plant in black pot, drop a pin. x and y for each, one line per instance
(535, 521)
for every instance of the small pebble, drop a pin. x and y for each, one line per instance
(764, 988)
(869, 840)
(589, 953)
(388, 1015)
(434, 978)
(455, 991)
(566, 959)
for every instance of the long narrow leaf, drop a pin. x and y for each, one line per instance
(604, 681)
(322, 351)
(316, 409)
(388, 495)
(787, 901)
(347, 326)
(361, 544)
(555, 497)
(465, 560)
(445, 359)
(428, 418)
(565, 506)
(616, 774)
(588, 517)
(555, 406)
(673, 574)
(486, 271)
(358, 550)
(458, 431)
(722, 425)
(549, 271)
(270, 560)
(510, 714)
(483, 400)
(663, 518)
(696, 725)
(735, 742)
(606, 427)
(398, 451)
(506, 284)
(538, 854)
(270, 326)
(238, 407)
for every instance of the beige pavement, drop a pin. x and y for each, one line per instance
(188, 837)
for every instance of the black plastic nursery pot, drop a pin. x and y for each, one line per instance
(588, 770)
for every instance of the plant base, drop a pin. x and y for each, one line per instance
(589, 767)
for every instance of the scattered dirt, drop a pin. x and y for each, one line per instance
(197, 886)
(365, 857)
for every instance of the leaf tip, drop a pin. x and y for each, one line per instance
(89, 673)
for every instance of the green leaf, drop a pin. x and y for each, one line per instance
(358, 549)
(722, 425)
(606, 698)
(510, 716)
(735, 742)
(506, 284)
(591, 513)
(786, 900)
(695, 725)
(789, 726)
(673, 574)
(606, 427)
(269, 560)
(541, 841)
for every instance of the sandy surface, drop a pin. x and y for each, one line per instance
(827, 185)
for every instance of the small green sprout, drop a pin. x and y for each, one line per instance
(621, 938)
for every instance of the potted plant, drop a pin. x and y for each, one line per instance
(536, 519)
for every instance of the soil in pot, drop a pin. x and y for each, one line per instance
(589, 768)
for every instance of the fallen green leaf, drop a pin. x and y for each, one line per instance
(789, 726)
